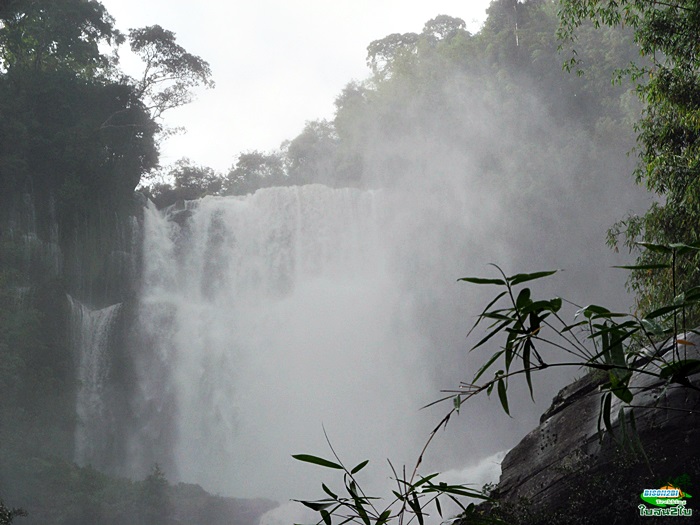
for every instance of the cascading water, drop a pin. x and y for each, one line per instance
(262, 318)
(91, 335)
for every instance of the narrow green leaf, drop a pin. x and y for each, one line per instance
(663, 311)
(682, 249)
(307, 458)
(680, 369)
(497, 316)
(510, 353)
(526, 365)
(329, 491)
(424, 480)
(326, 517)
(316, 506)
(418, 510)
(457, 490)
(659, 248)
(488, 306)
(570, 327)
(384, 517)
(495, 331)
(644, 267)
(359, 467)
(525, 277)
(487, 365)
(502, 395)
(479, 280)
(439, 508)
(489, 389)
(361, 511)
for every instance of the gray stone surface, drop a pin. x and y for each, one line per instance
(565, 451)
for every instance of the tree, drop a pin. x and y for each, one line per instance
(668, 82)
(312, 155)
(386, 54)
(255, 170)
(190, 181)
(45, 34)
(170, 72)
(444, 27)
(156, 504)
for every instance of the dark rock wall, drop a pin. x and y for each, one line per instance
(563, 472)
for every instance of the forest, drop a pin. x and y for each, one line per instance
(618, 91)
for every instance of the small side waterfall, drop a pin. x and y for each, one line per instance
(91, 332)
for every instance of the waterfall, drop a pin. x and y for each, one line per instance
(91, 334)
(262, 318)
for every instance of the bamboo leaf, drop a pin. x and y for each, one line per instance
(682, 249)
(479, 280)
(525, 277)
(439, 508)
(502, 395)
(526, 366)
(384, 517)
(663, 311)
(425, 480)
(316, 506)
(326, 517)
(329, 491)
(488, 306)
(495, 331)
(570, 327)
(415, 507)
(644, 267)
(487, 365)
(659, 248)
(680, 369)
(317, 461)
(359, 467)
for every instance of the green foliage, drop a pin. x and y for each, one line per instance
(44, 34)
(170, 72)
(254, 170)
(189, 181)
(537, 338)
(668, 84)
(79, 138)
(410, 502)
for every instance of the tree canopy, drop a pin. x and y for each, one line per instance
(667, 74)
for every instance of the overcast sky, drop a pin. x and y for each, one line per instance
(276, 63)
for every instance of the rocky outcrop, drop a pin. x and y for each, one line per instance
(565, 471)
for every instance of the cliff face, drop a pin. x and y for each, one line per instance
(563, 472)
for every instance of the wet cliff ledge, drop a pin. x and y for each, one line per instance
(564, 473)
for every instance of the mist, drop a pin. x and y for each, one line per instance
(310, 297)
(268, 319)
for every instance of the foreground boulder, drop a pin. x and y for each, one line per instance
(563, 472)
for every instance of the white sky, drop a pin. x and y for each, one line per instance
(276, 63)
